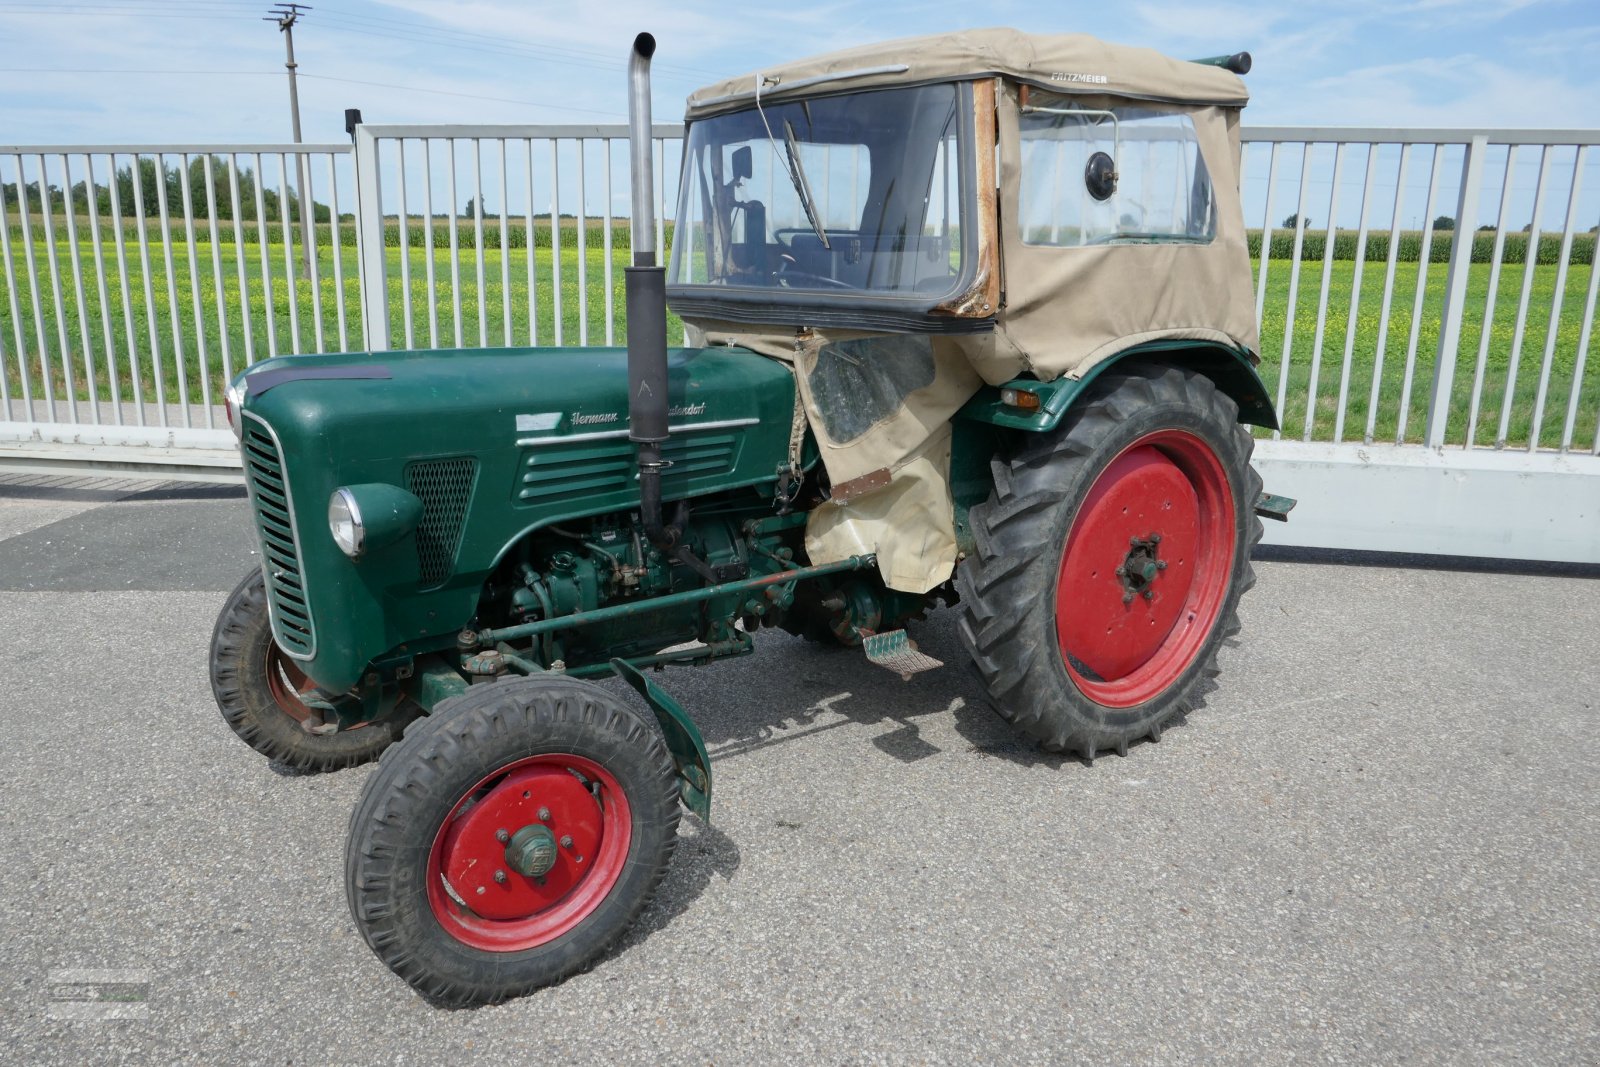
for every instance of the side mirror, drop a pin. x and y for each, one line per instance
(1100, 176)
(742, 166)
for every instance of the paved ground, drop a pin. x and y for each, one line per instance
(1379, 841)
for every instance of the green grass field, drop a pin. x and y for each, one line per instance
(128, 301)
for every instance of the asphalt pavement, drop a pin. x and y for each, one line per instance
(1379, 840)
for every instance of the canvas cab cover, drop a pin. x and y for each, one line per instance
(904, 222)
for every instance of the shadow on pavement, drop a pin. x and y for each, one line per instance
(1345, 557)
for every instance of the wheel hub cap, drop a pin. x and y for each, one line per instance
(532, 851)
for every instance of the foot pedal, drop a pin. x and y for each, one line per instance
(895, 651)
(1273, 506)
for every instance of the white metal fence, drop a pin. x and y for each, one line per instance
(138, 279)
(1436, 393)
(550, 189)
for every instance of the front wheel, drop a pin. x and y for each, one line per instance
(511, 838)
(1110, 562)
(258, 689)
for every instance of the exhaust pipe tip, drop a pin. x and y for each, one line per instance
(644, 45)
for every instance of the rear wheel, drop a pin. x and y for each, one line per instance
(1110, 562)
(511, 838)
(258, 689)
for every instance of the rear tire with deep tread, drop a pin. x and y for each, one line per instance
(426, 781)
(1010, 587)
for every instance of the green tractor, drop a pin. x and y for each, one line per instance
(971, 322)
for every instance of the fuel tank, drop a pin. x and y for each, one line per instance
(491, 444)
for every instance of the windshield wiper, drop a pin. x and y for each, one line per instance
(797, 175)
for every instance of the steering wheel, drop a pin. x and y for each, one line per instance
(787, 273)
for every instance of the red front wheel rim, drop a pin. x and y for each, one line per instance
(1145, 569)
(563, 802)
(287, 682)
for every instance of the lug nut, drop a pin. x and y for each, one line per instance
(1161, 564)
(500, 877)
(1121, 571)
(501, 836)
(544, 814)
(566, 842)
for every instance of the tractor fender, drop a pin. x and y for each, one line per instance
(1231, 369)
(687, 748)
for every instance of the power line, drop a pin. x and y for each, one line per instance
(469, 96)
(392, 29)
(317, 77)
(600, 57)
(545, 53)
(130, 70)
(144, 15)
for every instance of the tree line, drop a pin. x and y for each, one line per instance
(145, 188)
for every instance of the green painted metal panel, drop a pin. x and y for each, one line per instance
(495, 443)
(683, 739)
(1231, 370)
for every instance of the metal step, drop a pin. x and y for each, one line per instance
(896, 651)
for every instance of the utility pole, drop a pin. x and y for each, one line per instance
(286, 15)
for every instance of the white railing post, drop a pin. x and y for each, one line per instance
(369, 223)
(1455, 291)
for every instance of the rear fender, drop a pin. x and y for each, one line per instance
(1230, 369)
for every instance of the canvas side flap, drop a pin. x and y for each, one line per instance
(909, 523)
(872, 401)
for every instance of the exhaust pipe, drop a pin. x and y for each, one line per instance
(646, 289)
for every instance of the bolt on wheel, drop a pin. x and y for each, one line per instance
(1145, 568)
(1110, 561)
(499, 878)
(511, 838)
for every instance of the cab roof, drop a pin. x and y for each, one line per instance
(1063, 63)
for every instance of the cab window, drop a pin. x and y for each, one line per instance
(1120, 175)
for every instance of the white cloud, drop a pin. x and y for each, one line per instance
(1321, 61)
(1209, 22)
(1461, 90)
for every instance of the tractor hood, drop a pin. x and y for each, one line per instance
(418, 437)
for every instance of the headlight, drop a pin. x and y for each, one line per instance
(233, 404)
(344, 522)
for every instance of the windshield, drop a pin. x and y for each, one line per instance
(845, 196)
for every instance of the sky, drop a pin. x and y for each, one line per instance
(211, 71)
(96, 71)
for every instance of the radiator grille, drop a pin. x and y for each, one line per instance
(280, 547)
(445, 487)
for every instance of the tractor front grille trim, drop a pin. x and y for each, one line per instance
(596, 468)
(445, 488)
(273, 507)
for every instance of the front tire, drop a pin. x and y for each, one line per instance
(1110, 561)
(257, 689)
(511, 838)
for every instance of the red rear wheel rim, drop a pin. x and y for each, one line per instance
(476, 894)
(1164, 502)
